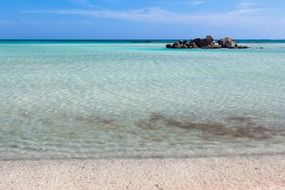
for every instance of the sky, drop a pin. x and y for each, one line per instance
(141, 19)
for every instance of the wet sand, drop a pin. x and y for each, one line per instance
(217, 173)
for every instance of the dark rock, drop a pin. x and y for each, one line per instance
(188, 44)
(193, 45)
(206, 43)
(209, 39)
(169, 46)
(177, 45)
(228, 43)
(203, 42)
(198, 42)
(213, 46)
(242, 47)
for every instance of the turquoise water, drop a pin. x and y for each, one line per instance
(122, 99)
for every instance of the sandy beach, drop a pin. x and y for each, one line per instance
(254, 172)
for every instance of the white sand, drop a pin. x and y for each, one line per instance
(244, 173)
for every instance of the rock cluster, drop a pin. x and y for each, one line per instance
(207, 43)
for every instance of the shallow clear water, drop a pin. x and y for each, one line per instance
(98, 100)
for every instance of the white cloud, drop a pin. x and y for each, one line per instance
(244, 4)
(196, 2)
(247, 6)
(81, 22)
(79, 1)
(84, 3)
(158, 15)
(6, 22)
(246, 13)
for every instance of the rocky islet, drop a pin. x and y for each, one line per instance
(207, 43)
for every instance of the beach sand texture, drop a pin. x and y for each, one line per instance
(217, 173)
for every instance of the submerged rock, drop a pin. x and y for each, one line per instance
(207, 43)
(242, 47)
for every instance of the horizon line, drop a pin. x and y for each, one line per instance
(121, 39)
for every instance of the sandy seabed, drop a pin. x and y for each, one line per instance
(217, 173)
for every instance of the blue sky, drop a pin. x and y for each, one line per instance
(141, 19)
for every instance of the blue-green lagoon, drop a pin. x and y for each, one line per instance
(92, 99)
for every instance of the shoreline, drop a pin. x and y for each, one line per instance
(240, 172)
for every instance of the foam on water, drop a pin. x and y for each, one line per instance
(79, 100)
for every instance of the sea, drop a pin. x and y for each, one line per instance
(98, 99)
